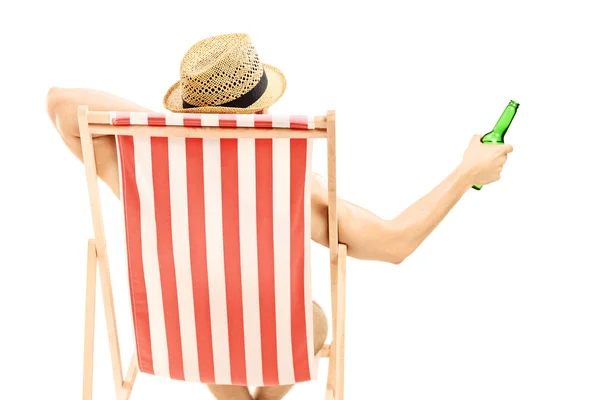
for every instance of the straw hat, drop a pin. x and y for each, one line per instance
(223, 74)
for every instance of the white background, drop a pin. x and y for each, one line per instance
(502, 301)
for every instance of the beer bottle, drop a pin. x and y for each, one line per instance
(496, 136)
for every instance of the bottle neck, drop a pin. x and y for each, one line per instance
(504, 121)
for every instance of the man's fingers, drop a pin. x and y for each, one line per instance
(507, 148)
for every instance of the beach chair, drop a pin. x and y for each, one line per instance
(217, 226)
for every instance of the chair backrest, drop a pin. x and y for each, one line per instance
(217, 223)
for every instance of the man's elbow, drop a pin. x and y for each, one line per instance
(399, 250)
(395, 246)
(398, 257)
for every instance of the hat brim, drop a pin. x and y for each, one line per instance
(275, 89)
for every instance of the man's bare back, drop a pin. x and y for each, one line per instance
(366, 235)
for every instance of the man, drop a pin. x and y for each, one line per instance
(223, 74)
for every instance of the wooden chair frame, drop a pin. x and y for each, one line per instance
(95, 123)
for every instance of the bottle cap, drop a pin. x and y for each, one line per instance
(514, 104)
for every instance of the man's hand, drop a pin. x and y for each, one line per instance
(483, 163)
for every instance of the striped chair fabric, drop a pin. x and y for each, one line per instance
(218, 250)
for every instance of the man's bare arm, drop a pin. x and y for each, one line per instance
(62, 106)
(370, 237)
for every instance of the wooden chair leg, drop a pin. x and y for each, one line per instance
(130, 378)
(331, 373)
(90, 316)
(123, 391)
(330, 380)
(87, 148)
(111, 324)
(335, 374)
(341, 324)
(333, 249)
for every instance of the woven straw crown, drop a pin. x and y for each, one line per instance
(224, 74)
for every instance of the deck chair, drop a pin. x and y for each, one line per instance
(217, 225)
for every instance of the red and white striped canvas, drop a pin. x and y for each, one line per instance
(218, 248)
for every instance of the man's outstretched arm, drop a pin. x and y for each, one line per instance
(370, 237)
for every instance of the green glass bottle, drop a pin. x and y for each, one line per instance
(496, 136)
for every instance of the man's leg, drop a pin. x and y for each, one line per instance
(226, 392)
(229, 392)
(320, 335)
(62, 109)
